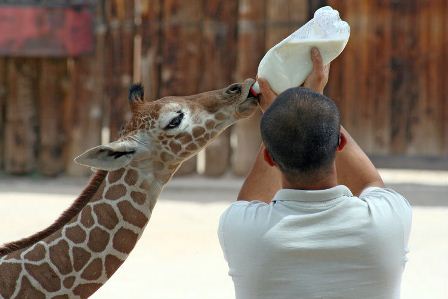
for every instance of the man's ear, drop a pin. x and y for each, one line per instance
(342, 142)
(268, 158)
(112, 156)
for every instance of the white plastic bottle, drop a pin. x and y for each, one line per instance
(288, 63)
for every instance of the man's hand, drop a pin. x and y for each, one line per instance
(267, 95)
(316, 81)
(318, 77)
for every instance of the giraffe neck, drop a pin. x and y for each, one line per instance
(80, 257)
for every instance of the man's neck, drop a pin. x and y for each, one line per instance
(318, 182)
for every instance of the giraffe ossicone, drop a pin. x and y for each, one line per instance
(78, 253)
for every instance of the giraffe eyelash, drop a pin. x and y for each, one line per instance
(175, 122)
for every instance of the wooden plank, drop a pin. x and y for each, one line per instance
(251, 48)
(51, 158)
(219, 61)
(444, 65)
(380, 76)
(430, 144)
(119, 67)
(84, 107)
(43, 31)
(20, 126)
(404, 95)
(150, 12)
(355, 102)
(181, 67)
(3, 90)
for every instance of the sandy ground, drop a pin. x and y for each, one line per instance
(179, 256)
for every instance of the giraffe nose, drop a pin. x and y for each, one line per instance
(234, 89)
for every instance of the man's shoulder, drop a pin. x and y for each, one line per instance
(385, 197)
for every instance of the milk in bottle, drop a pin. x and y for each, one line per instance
(288, 63)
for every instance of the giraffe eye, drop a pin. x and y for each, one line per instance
(175, 122)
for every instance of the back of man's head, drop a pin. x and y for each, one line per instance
(301, 131)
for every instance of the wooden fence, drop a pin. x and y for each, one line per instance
(389, 82)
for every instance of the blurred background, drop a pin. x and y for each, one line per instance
(65, 68)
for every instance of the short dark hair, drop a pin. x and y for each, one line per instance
(301, 131)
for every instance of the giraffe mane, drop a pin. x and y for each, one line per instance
(63, 219)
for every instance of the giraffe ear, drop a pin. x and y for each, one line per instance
(110, 157)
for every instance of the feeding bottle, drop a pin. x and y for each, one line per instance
(288, 63)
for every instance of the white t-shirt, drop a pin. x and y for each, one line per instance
(318, 244)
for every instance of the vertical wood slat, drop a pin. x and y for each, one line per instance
(84, 108)
(119, 67)
(355, 106)
(182, 51)
(3, 87)
(380, 75)
(251, 48)
(404, 95)
(444, 65)
(431, 112)
(20, 126)
(219, 60)
(51, 117)
(150, 60)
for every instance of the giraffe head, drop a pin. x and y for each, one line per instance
(162, 134)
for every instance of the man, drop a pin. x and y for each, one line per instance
(313, 219)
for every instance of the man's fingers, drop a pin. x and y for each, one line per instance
(265, 88)
(316, 58)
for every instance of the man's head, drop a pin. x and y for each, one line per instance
(301, 133)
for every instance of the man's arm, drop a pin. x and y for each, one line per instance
(354, 169)
(263, 181)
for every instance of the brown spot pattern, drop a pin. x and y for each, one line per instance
(220, 116)
(198, 131)
(61, 297)
(28, 291)
(124, 240)
(166, 156)
(98, 239)
(132, 215)
(9, 274)
(93, 270)
(115, 192)
(183, 138)
(145, 185)
(138, 197)
(36, 254)
(175, 147)
(13, 255)
(209, 124)
(115, 175)
(131, 177)
(86, 216)
(86, 290)
(111, 264)
(46, 277)
(68, 282)
(60, 258)
(75, 234)
(80, 258)
(106, 215)
(191, 147)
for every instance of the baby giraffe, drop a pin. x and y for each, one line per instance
(76, 255)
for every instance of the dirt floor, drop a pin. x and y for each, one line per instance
(179, 256)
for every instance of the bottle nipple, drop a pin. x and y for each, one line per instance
(255, 89)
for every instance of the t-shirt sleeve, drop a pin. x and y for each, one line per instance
(388, 201)
(239, 226)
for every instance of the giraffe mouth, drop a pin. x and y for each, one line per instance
(248, 102)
